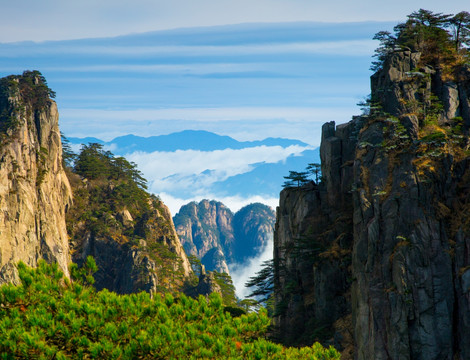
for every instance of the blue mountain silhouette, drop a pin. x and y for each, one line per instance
(183, 140)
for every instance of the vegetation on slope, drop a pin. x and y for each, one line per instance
(32, 88)
(49, 317)
(441, 43)
(111, 202)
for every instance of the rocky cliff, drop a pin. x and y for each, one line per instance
(376, 258)
(129, 232)
(212, 233)
(34, 189)
(253, 227)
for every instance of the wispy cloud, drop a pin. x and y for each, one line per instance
(191, 171)
(208, 114)
(345, 47)
(241, 273)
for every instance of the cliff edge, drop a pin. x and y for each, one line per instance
(34, 189)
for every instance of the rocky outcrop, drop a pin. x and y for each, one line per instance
(34, 189)
(405, 253)
(210, 231)
(375, 258)
(135, 248)
(153, 262)
(207, 284)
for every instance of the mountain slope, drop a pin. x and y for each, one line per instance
(129, 232)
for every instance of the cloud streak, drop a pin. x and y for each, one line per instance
(241, 273)
(51, 19)
(343, 47)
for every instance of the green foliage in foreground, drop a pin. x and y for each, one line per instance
(49, 317)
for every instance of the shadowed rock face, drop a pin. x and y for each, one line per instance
(380, 249)
(34, 189)
(154, 263)
(312, 248)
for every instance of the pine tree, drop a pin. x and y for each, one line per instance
(296, 178)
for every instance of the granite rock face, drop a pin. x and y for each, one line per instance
(312, 248)
(37, 210)
(212, 233)
(206, 231)
(375, 259)
(34, 189)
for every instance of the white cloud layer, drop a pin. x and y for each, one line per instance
(176, 172)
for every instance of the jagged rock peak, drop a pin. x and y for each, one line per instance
(206, 231)
(34, 189)
(212, 233)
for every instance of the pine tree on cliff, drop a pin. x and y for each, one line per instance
(439, 38)
(296, 178)
(460, 25)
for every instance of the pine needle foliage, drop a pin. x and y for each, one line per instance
(263, 282)
(48, 316)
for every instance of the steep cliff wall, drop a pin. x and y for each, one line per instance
(135, 249)
(34, 190)
(410, 244)
(378, 252)
(312, 248)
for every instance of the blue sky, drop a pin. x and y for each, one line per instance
(71, 19)
(250, 69)
(249, 81)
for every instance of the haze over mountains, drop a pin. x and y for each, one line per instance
(193, 165)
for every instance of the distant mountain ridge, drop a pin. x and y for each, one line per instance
(184, 140)
(262, 176)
